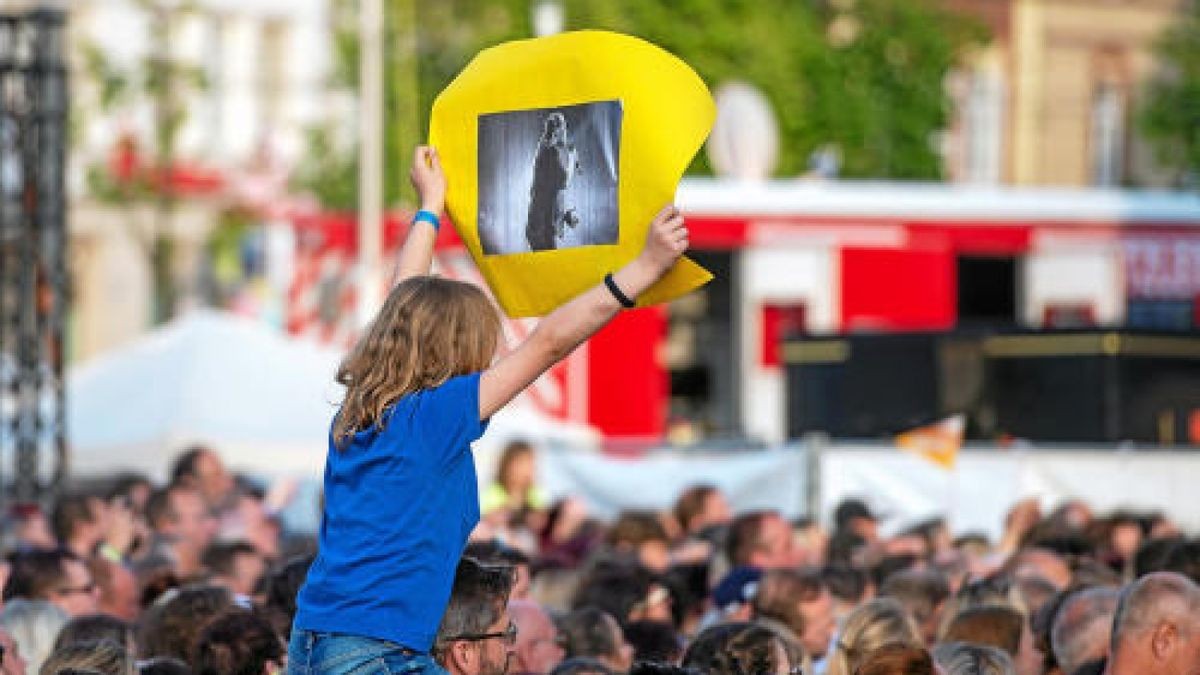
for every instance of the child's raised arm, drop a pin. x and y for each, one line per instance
(416, 256)
(568, 326)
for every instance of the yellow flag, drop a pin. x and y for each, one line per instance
(938, 442)
(558, 152)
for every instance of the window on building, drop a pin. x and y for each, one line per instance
(984, 126)
(1108, 136)
(273, 71)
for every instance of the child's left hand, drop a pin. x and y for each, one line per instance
(428, 179)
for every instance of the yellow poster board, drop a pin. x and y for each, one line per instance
(558, 152)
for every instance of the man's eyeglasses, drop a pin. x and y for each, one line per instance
(508, 636)
(72, 590)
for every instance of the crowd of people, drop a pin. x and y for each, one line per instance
(414, 571)
(198, 577)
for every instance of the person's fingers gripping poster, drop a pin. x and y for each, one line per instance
(558, 153)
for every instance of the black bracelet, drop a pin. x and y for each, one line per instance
(617, 293)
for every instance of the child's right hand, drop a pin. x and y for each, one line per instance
(666, 240)
(428, 179)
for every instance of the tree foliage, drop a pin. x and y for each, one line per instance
(1170, 117)
(863, 76)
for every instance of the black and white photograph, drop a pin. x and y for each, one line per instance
(548, 178)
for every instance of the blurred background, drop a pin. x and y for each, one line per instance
(977, 219)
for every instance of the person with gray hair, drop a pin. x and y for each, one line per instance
(963, 658)
(476, 636)
(1157, 627)
(1082, 627)
(33, 625)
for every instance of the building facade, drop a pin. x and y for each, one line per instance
(1054, 99)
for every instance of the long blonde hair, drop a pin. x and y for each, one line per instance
(875, 624)
(428, 331)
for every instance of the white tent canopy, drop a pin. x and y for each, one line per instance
(260, 399)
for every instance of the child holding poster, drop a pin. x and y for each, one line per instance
(400, 486)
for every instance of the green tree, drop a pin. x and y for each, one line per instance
(865, 76)
(1170, 117)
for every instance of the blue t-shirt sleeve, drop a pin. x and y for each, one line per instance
(453, 411)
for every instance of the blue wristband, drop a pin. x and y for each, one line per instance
(429, 217)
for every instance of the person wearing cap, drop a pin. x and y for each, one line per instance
(733, 596)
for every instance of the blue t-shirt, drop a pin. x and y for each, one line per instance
(399, 505)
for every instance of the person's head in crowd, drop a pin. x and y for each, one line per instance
(85, 629)
(879, 622)
(762, 539)
(238, 642)
(853, 515)
(700, 508)
(538, 648)
(1122, 535)
(654, 641)
(845, 548)
(849, 586)
(11, 660)
(34, 625)
(170, 626)
(924, 594)
(131, 488)
(1043, 563)
(593, 633)
(163, 665)
(101, 656)
(701, 652)
(582, 665)
(963, 658)
(993, 591)
(476, 635)
(1151, 556)
(897, 659)
(936, 533)
(799, 602)
(891, 564)
(27, 527)
(179, 515)
(627, 592)
(56, 576)
(119, 593)
(235, 565)
(1073, 514)
(201, 469)
(248, 520)
(516, 471)
(642, 535)
(496, 553)
(279, 603)
(1184, 558)
(733, 596)
(78, 521)
(1082, 627)
(750, 648)
(1001, 627)
(1157, 627)
(1033, 592)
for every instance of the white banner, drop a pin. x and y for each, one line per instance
(977, 495)
(750, 479)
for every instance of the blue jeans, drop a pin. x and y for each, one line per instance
(313, 653)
